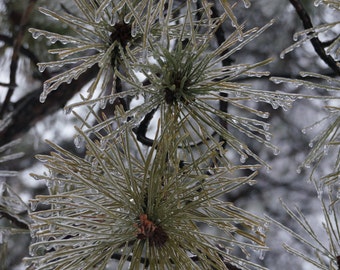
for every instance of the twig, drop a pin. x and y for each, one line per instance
(7, 84)
(14, 220)
(141, 130)
(317, 44)
(15, 55)
(29, 110)
(26, 52)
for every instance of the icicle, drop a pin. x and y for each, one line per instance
(78, 141)
(114, 19)
(102, 103)
(42, 67)
(262, 253)
(35, 34)
(296, 36)
(276, 151)
(246, 3)
(42, 97)
(34, 204)
(266, 126)
(243, 158)
(127, 18)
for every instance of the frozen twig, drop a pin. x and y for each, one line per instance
(317, 44)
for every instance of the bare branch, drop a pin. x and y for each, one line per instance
(15, 55)
(29, 110)
(317, 44)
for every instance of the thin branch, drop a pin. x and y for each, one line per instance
(15, 55)
(7, 85)
(14, 220)
(141, 130)
(26, 52)
(29, 110)
(317, 44)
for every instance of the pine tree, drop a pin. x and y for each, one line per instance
(168, 131)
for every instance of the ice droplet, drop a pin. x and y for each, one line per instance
(114, 19)
(266, 127)
(42, 97)
(34, 204)
(251, 182)
(127, 18)
(276, 151)
(35, 34)
(296, 36)
(298, 170)
(41, 67)
(247, 3)
(264, 115)
(243, 158)
(262, 253)
(78, 141)
(240, 37)
(102, 103)
(53, 40)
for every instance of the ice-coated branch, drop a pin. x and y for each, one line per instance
(317, 44)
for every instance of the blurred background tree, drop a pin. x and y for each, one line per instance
(24, 116)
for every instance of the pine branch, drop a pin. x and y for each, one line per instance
(145, 261)
(317, 44)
